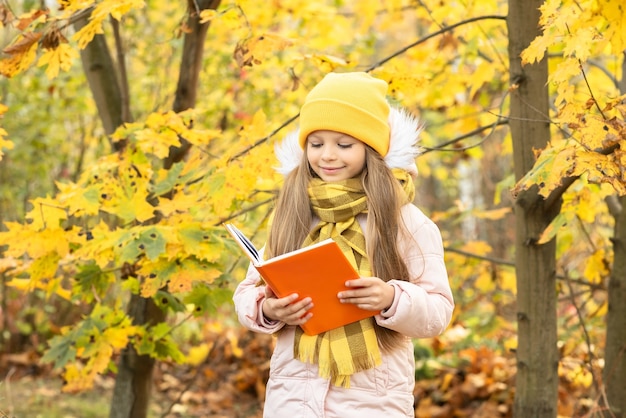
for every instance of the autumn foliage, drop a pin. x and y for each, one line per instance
(109, 224)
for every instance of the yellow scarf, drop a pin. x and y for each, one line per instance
(341, 352)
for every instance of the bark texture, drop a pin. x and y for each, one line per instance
(537, 355)
(614, 375)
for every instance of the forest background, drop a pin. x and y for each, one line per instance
(132, 129)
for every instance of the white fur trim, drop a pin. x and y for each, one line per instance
(403, 148)
(288, 153)
(404, 137)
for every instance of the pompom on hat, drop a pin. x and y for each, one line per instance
(351, 103)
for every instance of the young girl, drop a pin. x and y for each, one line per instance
(349, 175)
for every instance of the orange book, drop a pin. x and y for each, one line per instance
(319, 271)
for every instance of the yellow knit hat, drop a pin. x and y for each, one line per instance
(350, 103)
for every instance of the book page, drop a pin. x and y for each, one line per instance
(244, 243)
(301, 250)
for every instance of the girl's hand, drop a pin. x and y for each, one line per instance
(286, 309)
(370, 293)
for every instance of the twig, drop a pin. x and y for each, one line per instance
(508, 263)
(581, 320)
(432, 35)
(372, 67)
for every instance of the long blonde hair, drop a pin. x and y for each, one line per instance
(293, 220)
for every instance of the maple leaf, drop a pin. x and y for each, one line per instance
(192, 271)
(207, 15)
(59, 58)
(537, 49)
(325, 62)
(253, 50)
(200, 242)
(554, 164)
(88, 32)
(614, 12)
(564, 71)
(207, 299)
(79, 200)
(18, 62)
(24, 44)
(92, 281)
(130, 206)
(580, 43)
(557, 223)
(596, 266)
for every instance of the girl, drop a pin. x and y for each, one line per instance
(349, 175)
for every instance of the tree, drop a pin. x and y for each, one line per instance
(537, 358)
(141, 222)
(614, 374)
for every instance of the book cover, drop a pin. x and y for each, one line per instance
(318, 271)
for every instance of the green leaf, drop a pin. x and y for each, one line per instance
(152, 242)
(165, 349)
(208, 299)
(90, 278)
(61, 352)
(167, 301)
(170, 181)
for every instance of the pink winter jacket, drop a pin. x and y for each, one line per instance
(421, 308)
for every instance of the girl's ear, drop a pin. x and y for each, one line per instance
(403, 140)
(288, 153)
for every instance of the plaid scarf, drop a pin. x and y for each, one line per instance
(343, 351)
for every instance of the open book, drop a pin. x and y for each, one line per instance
(319, 271)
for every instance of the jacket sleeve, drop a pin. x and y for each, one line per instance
(422, 307)
(248, 298)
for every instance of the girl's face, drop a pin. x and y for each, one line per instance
(335, 156)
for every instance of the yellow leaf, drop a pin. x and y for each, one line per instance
(234, 343)
(254, 50)
(537, 49)
(24, 239)
(46, 213)
(493, 214)
(484, 282)
(18, 62)
(76, 380)
(615, 13)
(553, 228)
(100, 362)
(326, 63)
(596, 267)
(59, 58)
(118, 337)
(580, 43)
(507, 281)
(564, 71)
(484, 73)
(87, 32)
(44, 267)
(199, 353)
(207, 15)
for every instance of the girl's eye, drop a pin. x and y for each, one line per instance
(345, 146)
(314, 145)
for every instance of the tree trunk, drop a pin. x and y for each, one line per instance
(614, 375)
(190, 67)
(133, 383)
(100, 71)
(537, 355)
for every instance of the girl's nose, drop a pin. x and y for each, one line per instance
(328, 153)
